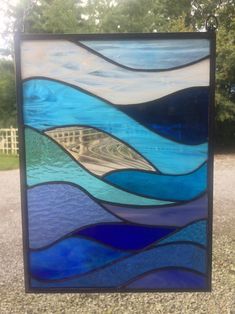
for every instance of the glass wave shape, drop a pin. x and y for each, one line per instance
(117, 182)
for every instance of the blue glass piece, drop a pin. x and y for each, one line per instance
(72, 256)
(169, 279)
(54, 210)
(46, 161)
(176, 188)
(68, 104)
(181, 116)
(151, 54)
(177, 215)
(196, 232)
(125, 236)
(173, 255)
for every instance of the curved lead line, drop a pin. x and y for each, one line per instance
(75, 233)
(95, 52)
(115, 106)
(161, 146)
(172, 205)
(126, 284)
(182, 101)
(71, 257)
(124, 143)
(160, 186)
(126, 221)
(110, 183)
(82, 166)
(151, 172)
(125, 193)
(121, 259)
(65, 61)
(104, 204)
(95, 150)
(103, 177)
(176, 215)
(100, 130)
(80, 188)
(71, 235)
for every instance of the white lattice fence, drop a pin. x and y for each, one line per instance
(9, 141)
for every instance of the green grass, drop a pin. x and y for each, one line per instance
(9, 162)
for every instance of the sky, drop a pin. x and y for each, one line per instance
(4, 18)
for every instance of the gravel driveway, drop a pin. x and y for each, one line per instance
(221, 300)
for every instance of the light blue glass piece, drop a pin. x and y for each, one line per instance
(177, 188)
(151, 54)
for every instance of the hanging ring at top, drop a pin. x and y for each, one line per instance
(211, 23)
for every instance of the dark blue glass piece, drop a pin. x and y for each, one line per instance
(181, 116)
(169, 279)
(125, 236)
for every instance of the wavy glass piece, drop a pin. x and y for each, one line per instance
(98, 151)
(177, 215)
(46, 161)
(117, 274)
(125, 236)
(55, 210)
(80, 67)
(196, 232)
(69, 257)
(181, 116)
(68, 109)
(176, 188)
(153, 54)
(169, 279)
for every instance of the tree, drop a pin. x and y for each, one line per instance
(7, 94)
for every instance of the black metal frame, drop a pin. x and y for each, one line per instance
(19, 37)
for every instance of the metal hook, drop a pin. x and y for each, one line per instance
(211, 23)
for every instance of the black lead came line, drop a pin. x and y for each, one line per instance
(101, 202)
(116, 106)
(132, 280)
(150, 245)
(109, 183)
(75, 233)
(109, 60)
(178, 243)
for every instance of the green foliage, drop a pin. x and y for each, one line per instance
(225, 74)
(57, 16)
(7, 94)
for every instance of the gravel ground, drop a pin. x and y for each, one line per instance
(221, 300)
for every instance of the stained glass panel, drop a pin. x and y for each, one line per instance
(116, 161)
